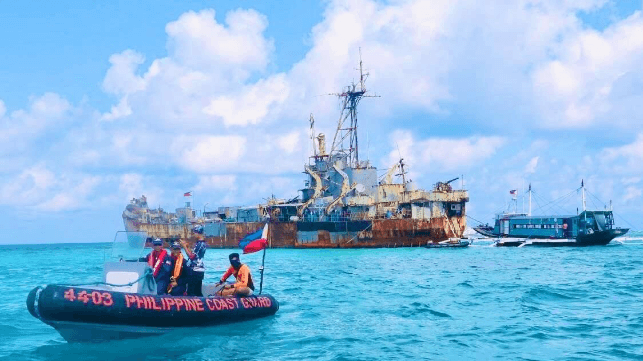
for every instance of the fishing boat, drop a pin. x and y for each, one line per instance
(126, 304)
(588, 228)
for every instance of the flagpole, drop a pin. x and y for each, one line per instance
(263, 260)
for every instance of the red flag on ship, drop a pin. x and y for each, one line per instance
(187, 194)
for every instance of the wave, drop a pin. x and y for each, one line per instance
(418, 308)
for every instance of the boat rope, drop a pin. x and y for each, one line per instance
(148, 273)
(473, 219)
(357, 235)
(625, 220)
(619, 216)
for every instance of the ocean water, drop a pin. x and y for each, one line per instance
(373, 304)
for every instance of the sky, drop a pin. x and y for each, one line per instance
(104, 101)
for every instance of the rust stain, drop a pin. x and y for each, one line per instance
(405, 232)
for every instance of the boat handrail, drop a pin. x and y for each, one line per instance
(148, 273)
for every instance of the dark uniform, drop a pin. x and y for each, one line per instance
(178, 272)
(196, 269)
(161, 264)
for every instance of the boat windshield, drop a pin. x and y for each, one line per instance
(128, 246)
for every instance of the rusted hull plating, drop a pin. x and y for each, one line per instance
(376, 233)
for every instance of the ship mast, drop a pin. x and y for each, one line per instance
(347, 123)
(312, 134)
(402, 172)
(529, 200)
(582, 187)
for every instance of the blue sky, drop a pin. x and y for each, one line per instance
(102, 102)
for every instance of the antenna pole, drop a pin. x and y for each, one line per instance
(529, 199)
(350, 98)
(361, 72)
(312, 133)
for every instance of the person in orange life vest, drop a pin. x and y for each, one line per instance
(179, 272)
(161, 264)
(244, 285)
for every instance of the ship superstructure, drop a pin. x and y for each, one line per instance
(343, 202)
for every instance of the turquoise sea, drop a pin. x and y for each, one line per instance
(373, 304)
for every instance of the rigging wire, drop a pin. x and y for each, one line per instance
(625, 220)
(553, 203)
(614, 213)
(598, 199)
(468, 216)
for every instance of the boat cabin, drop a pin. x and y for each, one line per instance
(523, 226)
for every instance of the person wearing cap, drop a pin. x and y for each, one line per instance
(178, 275)
(243, 285)
(196, 268)
(161, 264)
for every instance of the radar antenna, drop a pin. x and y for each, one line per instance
(401, 163)
(347, 123)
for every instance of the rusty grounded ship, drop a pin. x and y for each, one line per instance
(344, 204)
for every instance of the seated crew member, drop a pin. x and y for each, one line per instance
(196, 268)
(160, 262)
(244, 285)
(179, 272)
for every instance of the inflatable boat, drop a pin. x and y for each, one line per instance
(450, 243)
(125, 305)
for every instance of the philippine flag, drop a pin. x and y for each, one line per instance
(255, 241)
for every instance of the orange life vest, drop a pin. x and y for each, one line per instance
(178, 264)
(155, 260)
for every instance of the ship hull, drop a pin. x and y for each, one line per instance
(600, 238)
(376, 233)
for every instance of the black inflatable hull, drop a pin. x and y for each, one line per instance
(90, 315)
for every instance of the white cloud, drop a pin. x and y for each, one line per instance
(22, 127)
(207, 64)
(28, 187)
(446, 154)
(289, 142)
(196, 40)
(530, 168)
(584, 83)
(251, 105)
(122, 109)
(120, 78)
(131, 183)
(73, 197)
(39, 188)
(631, 180)
(3, 108)
(205, 154)
(227, 182)
(628, 157)
(632, 193)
